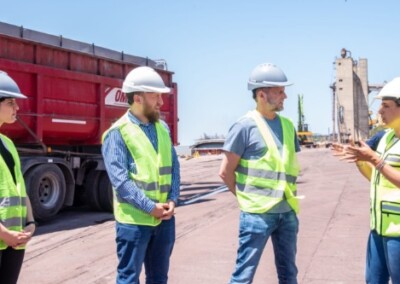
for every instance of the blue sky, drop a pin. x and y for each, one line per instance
(213, 45)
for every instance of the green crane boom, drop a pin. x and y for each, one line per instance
(301, 125)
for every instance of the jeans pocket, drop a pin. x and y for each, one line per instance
(256, 223)
(128, 233)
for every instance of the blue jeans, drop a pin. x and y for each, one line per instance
(383, 259)
(254, 231)
(152, 246)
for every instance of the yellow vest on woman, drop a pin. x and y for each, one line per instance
(385, 196)
(12, 195)
(153, 170)
(263, 183)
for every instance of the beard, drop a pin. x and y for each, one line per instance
(275, 106)
(152, 115)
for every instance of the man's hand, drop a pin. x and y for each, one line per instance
(169, 210)
(159, 210)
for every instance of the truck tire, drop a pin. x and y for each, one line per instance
(46, 189)
(91, 189)
(105, 193)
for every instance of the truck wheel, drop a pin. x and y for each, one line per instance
(91, 191)
(46, 189)
(105, 192)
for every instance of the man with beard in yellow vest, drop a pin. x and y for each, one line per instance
(260, 167)
(144, 171)
(382, 167)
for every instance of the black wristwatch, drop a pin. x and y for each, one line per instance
(30, 222)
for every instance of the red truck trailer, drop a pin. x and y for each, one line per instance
(74, 95)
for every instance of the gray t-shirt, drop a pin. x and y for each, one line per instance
(245, 140)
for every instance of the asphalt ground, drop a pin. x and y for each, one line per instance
(79, 245)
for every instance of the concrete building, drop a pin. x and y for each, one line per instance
(350, 98)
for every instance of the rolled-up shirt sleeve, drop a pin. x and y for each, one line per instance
(115, 154)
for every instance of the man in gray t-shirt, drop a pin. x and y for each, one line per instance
(260, 168)
(245, 140)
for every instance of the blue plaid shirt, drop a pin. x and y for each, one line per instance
(119, 162)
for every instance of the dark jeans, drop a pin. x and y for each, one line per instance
(152, 246)
(10, 265)
(383, 259)
(254, 232)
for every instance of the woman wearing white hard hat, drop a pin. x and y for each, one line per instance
(382, 168)
(16, 219)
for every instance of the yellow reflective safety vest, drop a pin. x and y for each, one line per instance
(263, 183)
(385, 196)
(153, 170)
(12, 196)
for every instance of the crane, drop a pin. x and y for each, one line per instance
(305, 137)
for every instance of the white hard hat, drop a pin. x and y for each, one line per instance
(144, 79)
(390, 90)
(8, 87)
(267, 75)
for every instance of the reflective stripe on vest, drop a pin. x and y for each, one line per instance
(385, 196)
(153, 174)
(261, 173)
(391, 208)
(12, 196)
(12, 201)
(263, 183)
(12, 222)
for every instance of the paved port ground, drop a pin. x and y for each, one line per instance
(78, 246)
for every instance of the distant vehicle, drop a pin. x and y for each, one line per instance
(207, 147)
(306, 139)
